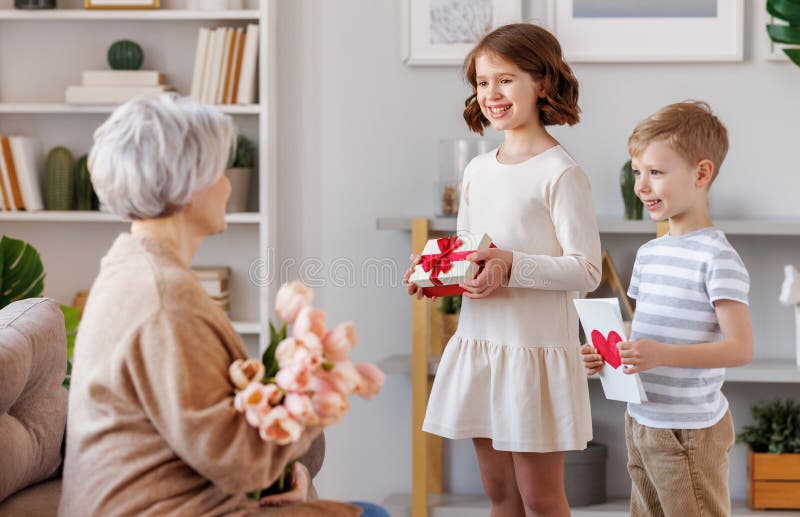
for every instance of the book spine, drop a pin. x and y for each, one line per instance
(16, 193)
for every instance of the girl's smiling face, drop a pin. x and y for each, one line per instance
(506, 94)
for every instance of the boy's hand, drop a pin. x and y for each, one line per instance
(414, 289)
(592, 361)
(640, 355)
(496, 271)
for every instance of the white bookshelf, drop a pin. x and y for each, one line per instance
(169, 15)
(476, 505)
(758, 371)
(32, 85)
(76, 216)
(611, 225)
(54, 108)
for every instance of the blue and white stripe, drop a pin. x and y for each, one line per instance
(675, 281)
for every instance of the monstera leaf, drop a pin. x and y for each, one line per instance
(788, 11)
(22, 276)
(21, 271)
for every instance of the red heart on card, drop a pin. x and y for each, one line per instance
(608, 347)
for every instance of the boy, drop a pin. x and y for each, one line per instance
(691, 321)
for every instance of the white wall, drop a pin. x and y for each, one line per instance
(358, 140)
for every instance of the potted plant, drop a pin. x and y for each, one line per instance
(239, 172)
(449, 307)
(788, 11)
(21, 277)
(774, 457)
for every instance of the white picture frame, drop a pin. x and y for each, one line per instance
(649, 39)
(420, 32)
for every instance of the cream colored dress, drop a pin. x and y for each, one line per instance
(513, 372)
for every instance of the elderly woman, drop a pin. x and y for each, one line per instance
(152, 428)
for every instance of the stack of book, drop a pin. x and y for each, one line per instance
(215, 282)
(225, 65)
(115, 86)
(19, 180)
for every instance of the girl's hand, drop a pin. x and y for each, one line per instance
(592, 361)
(640, 355)
(414, 289)
(301, 481)
(495, 272)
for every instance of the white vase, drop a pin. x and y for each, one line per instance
(240, 189)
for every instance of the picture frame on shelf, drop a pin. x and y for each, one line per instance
(644, 31)
(442, 32)
(121, 4)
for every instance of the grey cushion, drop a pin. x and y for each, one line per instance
(33, 404)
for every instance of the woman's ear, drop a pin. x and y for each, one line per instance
(705, 173)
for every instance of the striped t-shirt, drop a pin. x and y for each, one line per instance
(675, 281)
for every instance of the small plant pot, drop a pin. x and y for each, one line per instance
(240, 189)
(773, 481)
(585, 475)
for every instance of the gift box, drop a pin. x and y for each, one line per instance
(444, 263)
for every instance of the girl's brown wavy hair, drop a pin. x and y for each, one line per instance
(537, 52)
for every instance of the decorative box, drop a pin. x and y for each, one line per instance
(444, 263)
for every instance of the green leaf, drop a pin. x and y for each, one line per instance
(71, 322)
(788, 10)
(21, 271)
(794, 55)
(784, 34)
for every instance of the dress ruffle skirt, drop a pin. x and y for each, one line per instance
(525, 399)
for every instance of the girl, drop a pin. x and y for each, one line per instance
(511, 377)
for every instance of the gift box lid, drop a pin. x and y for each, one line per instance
(460, 269)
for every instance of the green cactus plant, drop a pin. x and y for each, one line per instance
(125, 55)
(84, 193)
(59, 181)
(244, 154)
(634, 207)
(788, 11)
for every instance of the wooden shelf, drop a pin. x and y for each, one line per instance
(770, 371)
(132, 14)
(609, 225)
(475, 505)
(247, 327)
(54, 108)
(77, 216)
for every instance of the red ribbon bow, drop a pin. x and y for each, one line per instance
(442, 262)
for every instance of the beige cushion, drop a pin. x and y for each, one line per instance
(33, 404)
(40, 500)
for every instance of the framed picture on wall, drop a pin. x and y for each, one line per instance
(442, 32)
(121, 4)
(648, 31)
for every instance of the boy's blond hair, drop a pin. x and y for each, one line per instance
(690, 128)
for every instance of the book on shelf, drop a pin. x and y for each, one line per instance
(200, 62)
(122, 78)
(225, 64)
(237, 69)
(110, 94)
(19, 185)
(247, 79)
(226, 50)
(217, 46)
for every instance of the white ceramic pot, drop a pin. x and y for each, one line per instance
(240, 189)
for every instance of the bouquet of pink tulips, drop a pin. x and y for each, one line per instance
(303, 379)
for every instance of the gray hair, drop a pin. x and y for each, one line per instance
(154, 152)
